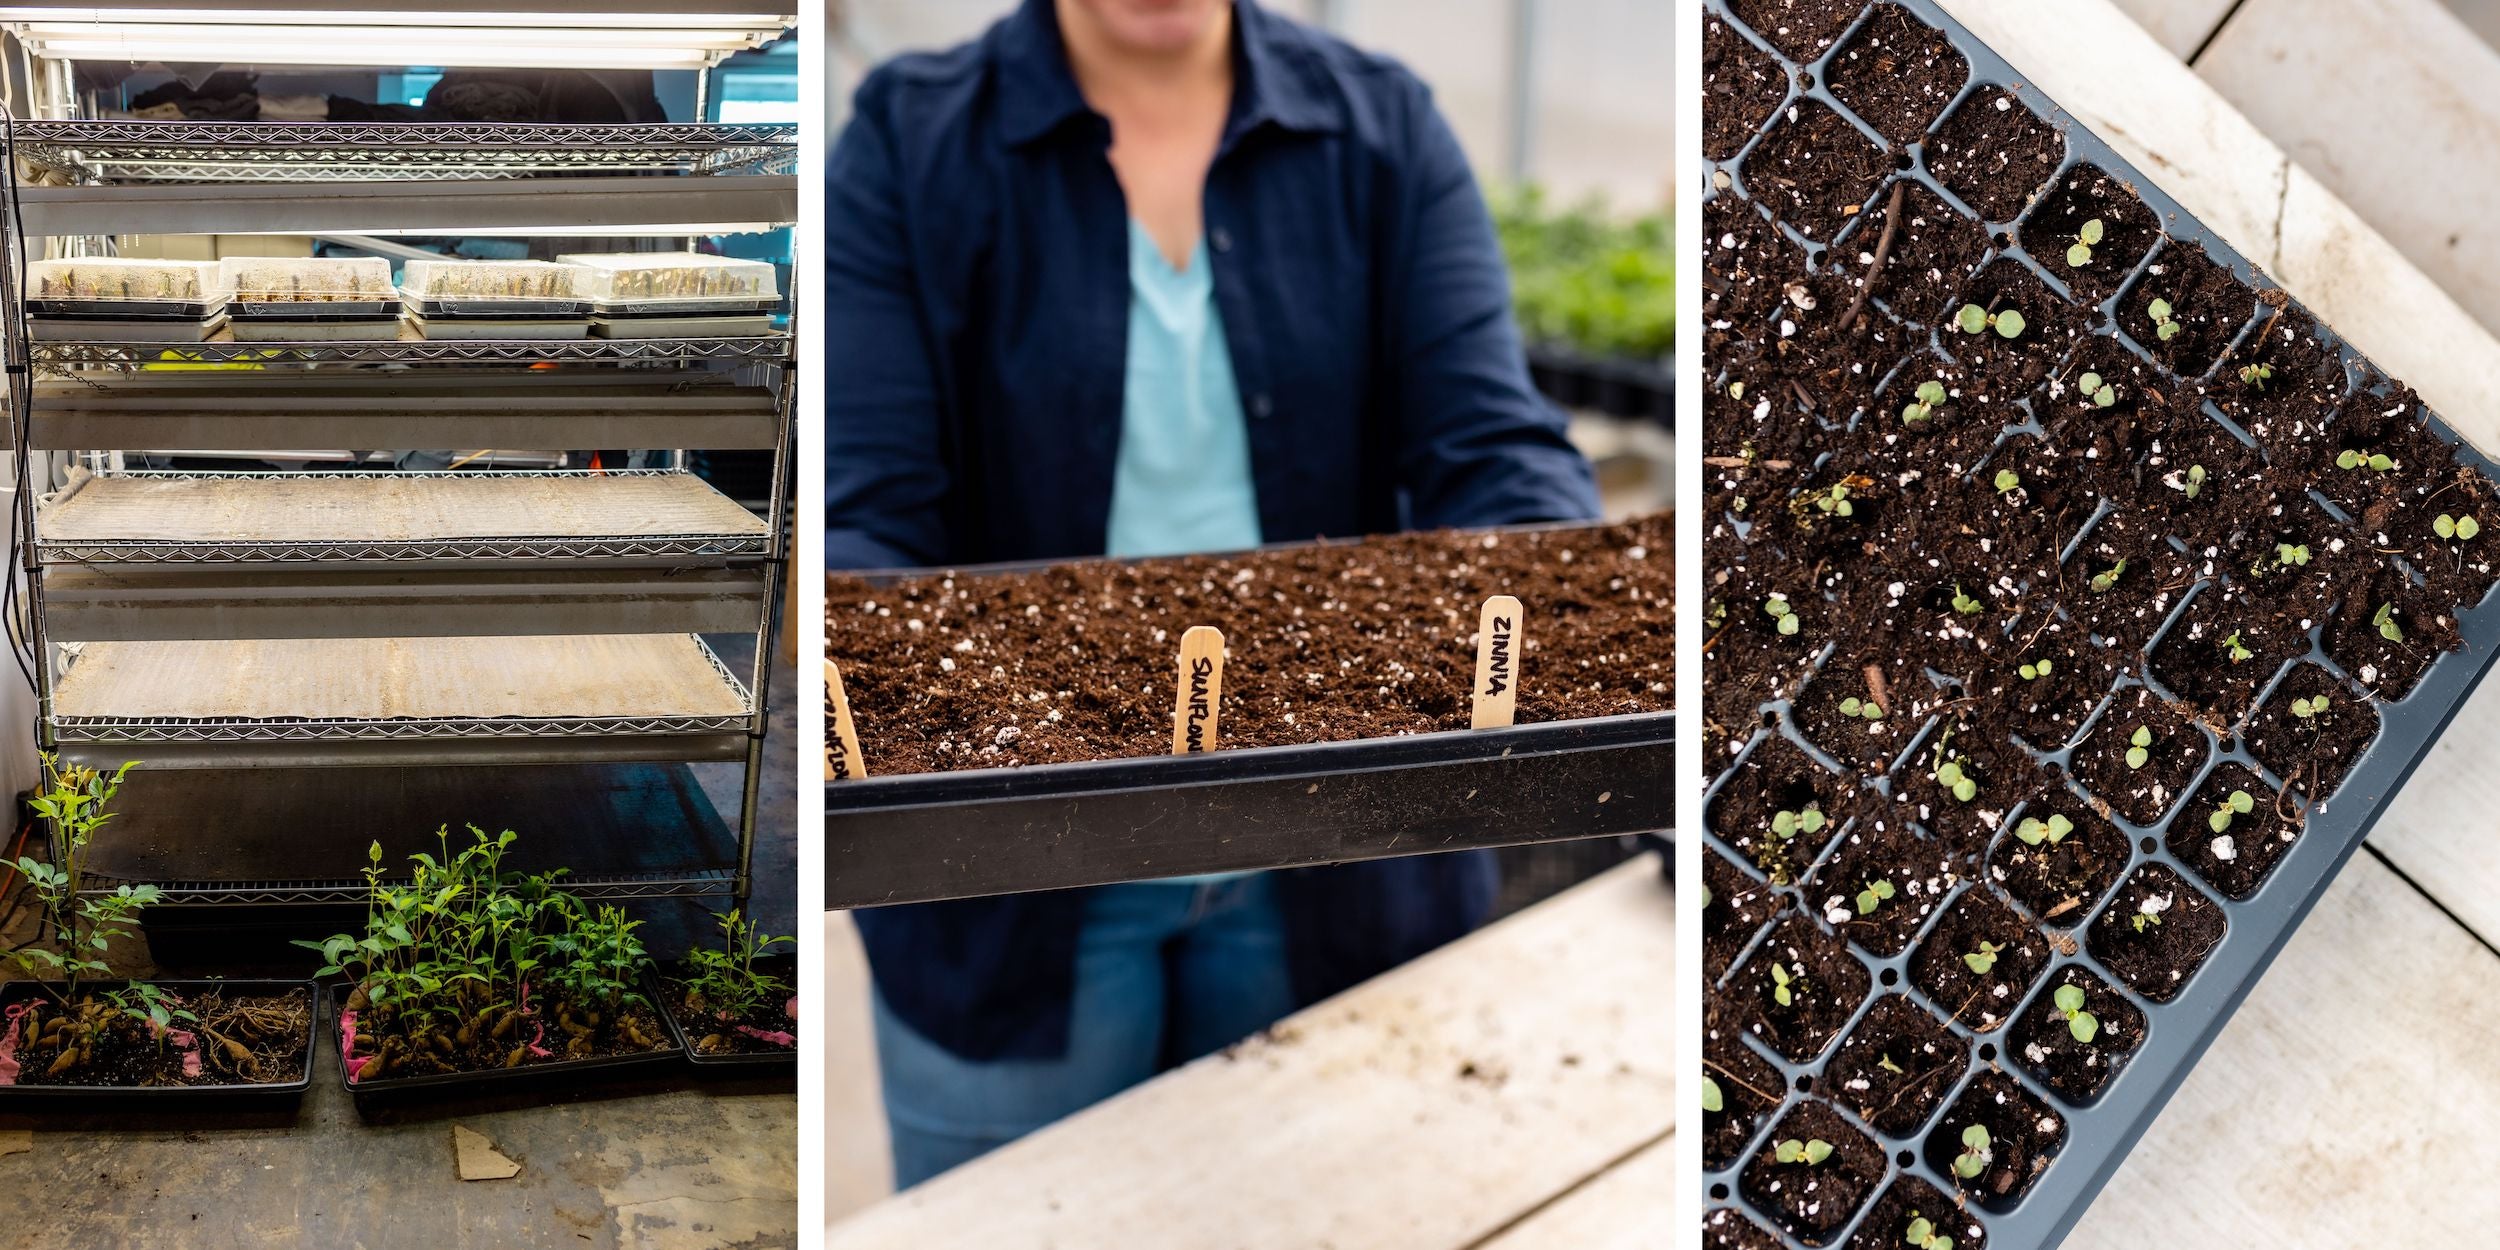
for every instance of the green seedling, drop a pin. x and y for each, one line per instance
(1706, 896)
(2306, 709)
(1784, 988)
(2086, 239)
(1805, 1152)
(2291, 554)
(2231, 646)
(2144, 920)
(1922, 1234)
(1984, 960)
(2236, 804)
(1963, 603)
(1974, 319)
(2139, 747)
(1976, 1155)
(1876, 894)
(1885, 1062)
(2083, 1024)
(2195, 479)
(1865, 708)
(2385, 619)
(2101, 393)
(2376, 462)
(2107, 579)
(2165, 324)
(1834, 501)
(2008, 481)
(2458, 528)
(1711, 1100)
(1783, 617)
(2255, 376)
(1929, 397)
(1957, 780)
(2035, 670)
(1786, 825)
(2035, 831)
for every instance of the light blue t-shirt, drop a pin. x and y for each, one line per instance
(1182, 483)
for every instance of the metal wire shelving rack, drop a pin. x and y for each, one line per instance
(244, 556)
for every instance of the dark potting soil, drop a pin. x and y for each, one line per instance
(2005, 776)
(1739, 907)
(1898, 73)
(1814, 1200)
(1865, 709)
(2174, 752)
(1750, 83)
(1779, 780)
(1981, 1000)
(2288, 409)
(1749, 1087)
(240, 1039)
(1800, 28)
(710, 1032)
(1994, 152)
(1724, 1228)
(2236, 858)
(2043, 1039)
(1913, 874)
(1908, 1201)
(2179, 928)
(2311, 753)
(1323, 643)
(2209, 306)
(1934, 251)
(2085, 194)
(1825, 984)
(1814, 169)
(503, 1036)
(2357, 639)
(2060, 876)
(1897, 1066)
(2024, 1134)
(2232, 637)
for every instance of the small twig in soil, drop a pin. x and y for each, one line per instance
(1715, 1066)
(1883, 252)
(1906, 1090)
(1876, 688)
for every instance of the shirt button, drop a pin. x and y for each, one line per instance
(1261, 406)
(1221, 238)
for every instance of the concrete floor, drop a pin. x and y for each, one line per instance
(677, 1162)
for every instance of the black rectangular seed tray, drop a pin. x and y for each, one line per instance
(921, 837)
(758, 1063)
(76, 1098)
(1616, 386)
(2097, 1132)
(551, 1079)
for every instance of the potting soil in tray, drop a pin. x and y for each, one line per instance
(1324, 643)
(496, 1038)
(233, 1039)
(2075, 600)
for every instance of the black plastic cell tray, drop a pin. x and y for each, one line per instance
(553, 1077)
(2100, 1134)
(926, 836)
(762, 1062)
(139, 1098)
(322, 311)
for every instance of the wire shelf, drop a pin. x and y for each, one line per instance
(65, 357)
(592, 887)
(135, 152)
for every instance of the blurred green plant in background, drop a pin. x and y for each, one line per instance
(1587, 279)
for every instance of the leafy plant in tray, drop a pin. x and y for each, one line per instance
(66, 1025)
(471, 967)
(736, 998)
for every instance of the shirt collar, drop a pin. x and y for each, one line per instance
(1277, 81)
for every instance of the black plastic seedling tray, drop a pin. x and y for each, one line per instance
(81, 1098)
(755, 1063)
(927, 836)
(2099, 1132)
(549, 1079)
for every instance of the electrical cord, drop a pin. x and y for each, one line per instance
(21, 415)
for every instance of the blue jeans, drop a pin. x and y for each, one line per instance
(1165, 973)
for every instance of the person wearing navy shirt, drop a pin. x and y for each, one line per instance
(1136, 277)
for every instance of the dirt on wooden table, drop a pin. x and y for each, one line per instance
(1323, 643)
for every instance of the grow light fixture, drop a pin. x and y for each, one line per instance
(616, 38)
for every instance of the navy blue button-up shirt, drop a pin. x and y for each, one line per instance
(977, 298)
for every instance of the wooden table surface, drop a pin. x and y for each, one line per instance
(2353, 1088)
(1514, 1089)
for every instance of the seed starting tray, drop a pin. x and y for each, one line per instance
(919, 837)
(2093, 1135)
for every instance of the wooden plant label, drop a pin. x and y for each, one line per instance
(842, 761)
(1201, 694)
(1498, 639)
